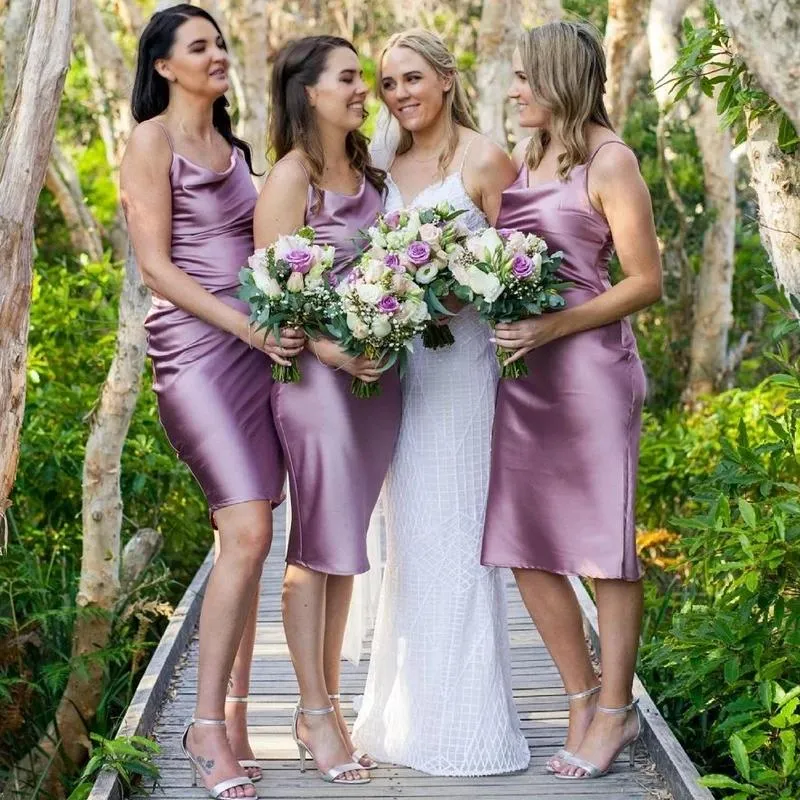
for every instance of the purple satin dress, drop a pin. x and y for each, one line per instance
(338, 446)
(565, 442)
(213, 391)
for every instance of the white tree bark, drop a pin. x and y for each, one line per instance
(15, 32)
(625, 35)
(767, 34)
(26, 132)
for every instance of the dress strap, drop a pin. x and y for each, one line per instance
(166, 133)
(601, 146)
(464, 157)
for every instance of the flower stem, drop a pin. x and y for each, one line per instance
(516, 370)
(362, 389)
(284, 374)
(435, 336)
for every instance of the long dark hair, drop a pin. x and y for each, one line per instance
(151, 90)
(292, 121)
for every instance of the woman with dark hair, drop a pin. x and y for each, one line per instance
(566, 436)
(189, 202)
(337, 446)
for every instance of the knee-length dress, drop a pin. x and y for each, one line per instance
(213, 390)
(565, 442)
(338, 446)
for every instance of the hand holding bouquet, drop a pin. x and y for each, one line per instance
(508, 276)
(379, 311)
(288, 284)
(420, 241)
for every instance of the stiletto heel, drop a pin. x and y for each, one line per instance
(359, 755)
(563, 754)
(335, 773)
(247, 763)
(592, 770)
(215, 792)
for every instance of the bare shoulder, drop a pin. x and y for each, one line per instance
(148, 143)
(289, 175)
(487, 158)
(615, 161)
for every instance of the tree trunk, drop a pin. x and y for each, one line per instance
(15, 33)
(766, 34)
(713, 306)
(62, 181)
(625, 32)
(26, 133)
(66, 742)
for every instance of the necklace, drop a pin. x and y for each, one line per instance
(437, 154)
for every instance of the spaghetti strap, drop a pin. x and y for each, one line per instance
(464, 157)
(603, 144)
(166, 133)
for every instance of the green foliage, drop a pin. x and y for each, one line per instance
(131, 757)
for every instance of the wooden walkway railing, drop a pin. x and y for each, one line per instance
(164, 700)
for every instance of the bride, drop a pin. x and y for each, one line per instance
(438, 695)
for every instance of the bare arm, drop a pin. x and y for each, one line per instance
(487, 174)
(617, 189)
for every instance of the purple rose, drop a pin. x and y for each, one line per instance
(505, 232)
(299, 260)
(392, 220)
(522, 266)
(389, 304)
(419, 253)
(392, 260)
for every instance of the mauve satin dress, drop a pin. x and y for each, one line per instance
(213, 391)
(565, 445)
(338, 447)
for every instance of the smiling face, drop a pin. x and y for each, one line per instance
(338, 96)
(532, 114)
(412, 89)
(198, 61)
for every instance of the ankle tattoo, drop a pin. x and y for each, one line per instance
(205, 764)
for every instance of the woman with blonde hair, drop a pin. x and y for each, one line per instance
(438, 695)
(566, 436)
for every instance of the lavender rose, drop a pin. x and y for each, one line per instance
(392, 220)
(392, 260)
(298, 260)
(418, 253)
(522, 266)
(389, 304)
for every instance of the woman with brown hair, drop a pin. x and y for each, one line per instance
(566, 436)
(337, 446)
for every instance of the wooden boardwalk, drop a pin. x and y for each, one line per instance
(542, 708)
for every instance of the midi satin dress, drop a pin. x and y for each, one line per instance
(338, 446)
(213, 391)
(565, 443)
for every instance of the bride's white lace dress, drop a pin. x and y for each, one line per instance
(438, 696)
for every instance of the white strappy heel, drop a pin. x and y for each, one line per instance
(358, 755)
(563, 754)
(592, 770)
(334, 774)
(247, 763)
(215, 791)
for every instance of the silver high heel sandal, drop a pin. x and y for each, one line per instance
(358, 755)
(563, 753)
(592, 770)
(334, 774)
(247, 763)
(215, 791)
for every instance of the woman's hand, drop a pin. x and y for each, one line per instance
(291, 344)
(526, 335)
(329, 353)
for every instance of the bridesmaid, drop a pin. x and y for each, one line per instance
(189, 202)
(338, 447)
(566, 437)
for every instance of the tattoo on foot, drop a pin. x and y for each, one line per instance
(206, 764)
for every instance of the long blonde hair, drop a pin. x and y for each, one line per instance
(456, 103)
(566, 70)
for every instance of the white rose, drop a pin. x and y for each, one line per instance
(537, 261)
(484, 284)
(401, 284)
(266, 283)
(475, 247)
(459, 273)
(374, 271)
(357, 327)
(381, 326)
(429, 233)
(287, 243)
(256, 261)
(426, 273)
(369, 292)
(517, 241)
(295, 283)
(491, 241)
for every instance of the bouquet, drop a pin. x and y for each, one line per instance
(420, 241)
(380, 310)
(508, 276)
(289, 284)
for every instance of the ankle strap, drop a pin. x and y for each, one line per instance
(581, 695)
(623, 710)
(232, 698)
(315, 712)
(202, 721)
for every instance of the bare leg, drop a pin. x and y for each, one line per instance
(554, 609)
(337, 604)
(619, 610)
(245, 538)
(304, 620)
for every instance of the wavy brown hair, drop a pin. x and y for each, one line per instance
(456, 109)
(566, 70)
(293, 123)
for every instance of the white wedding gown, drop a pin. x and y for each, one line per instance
(438, 695)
